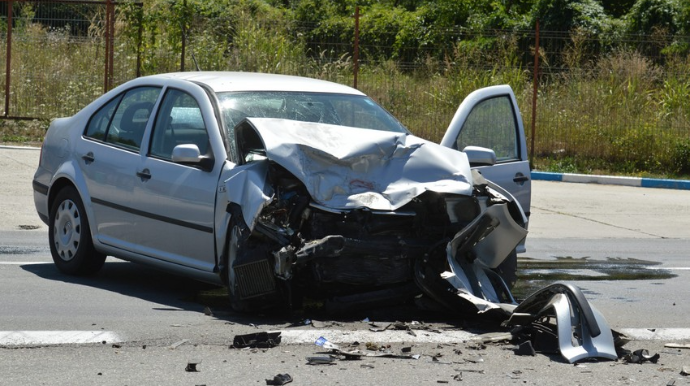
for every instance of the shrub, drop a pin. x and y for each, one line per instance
(647, 15)
(567, 15)
(680, 157)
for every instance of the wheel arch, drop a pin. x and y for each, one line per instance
(56, 187)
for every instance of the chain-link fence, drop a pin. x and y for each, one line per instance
(615, 100)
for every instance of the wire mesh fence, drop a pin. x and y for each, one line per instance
(609, 100)
(57, 56)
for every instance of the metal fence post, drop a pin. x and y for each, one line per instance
(8, 59)
(139, 37)
(109, 44)
(107, 37)
(356, 53)
(184, 33)
(535, 86)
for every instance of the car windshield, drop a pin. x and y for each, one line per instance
(336, 109)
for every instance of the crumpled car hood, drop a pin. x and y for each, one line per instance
(348, 168)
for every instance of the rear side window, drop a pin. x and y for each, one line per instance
(98, 125)
(123, 120)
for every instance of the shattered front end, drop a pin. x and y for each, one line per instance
(361, 224)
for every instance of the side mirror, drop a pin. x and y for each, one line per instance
(189, 154)
(480, 156)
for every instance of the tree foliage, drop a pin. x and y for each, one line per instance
(646, 16)
(569, 15)
(617, 8)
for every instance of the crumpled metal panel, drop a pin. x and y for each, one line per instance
(247, 187)
(582, 330)
(498, 244)
(575, 338)
(347, 168)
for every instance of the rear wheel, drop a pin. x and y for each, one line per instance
(70, 237)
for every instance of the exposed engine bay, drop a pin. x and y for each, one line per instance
(305, 247)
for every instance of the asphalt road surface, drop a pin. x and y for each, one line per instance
(627, 248)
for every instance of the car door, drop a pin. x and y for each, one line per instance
(177, 199)
(110, 155)
(490, 118)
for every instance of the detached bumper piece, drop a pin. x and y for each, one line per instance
(257, 340)
(581, 331)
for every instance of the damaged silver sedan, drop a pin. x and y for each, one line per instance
(279, 187)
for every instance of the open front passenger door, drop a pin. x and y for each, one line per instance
(489, 120)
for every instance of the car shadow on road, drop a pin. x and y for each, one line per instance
(178, 293)
(175, 293)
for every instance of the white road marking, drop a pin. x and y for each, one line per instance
(667, 334)
(423, 336)
(670, 268)
(44, 338)
(388, 336)
(41, 338)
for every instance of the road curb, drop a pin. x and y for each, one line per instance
(19, 147)
(612, 180)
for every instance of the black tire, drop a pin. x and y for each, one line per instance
(508, 270)
(235, 239)
(70, 237)
(241, 247)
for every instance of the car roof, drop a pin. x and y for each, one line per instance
(223, 81)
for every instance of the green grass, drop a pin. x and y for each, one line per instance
(22, 132)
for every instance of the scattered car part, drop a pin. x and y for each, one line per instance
(321, 360)
(641, 356)
(257, 340)
(280, 379)
(357, 354)
(493, 337)
(178, 344)
(323, 342)
(677, 345)
(581, 331)
(192, 366)
(525, 348)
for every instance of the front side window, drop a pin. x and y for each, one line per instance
(179, 121)
(491, 124)
(122, 121)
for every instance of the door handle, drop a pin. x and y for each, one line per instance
(144, 174)
(520, 178)
(88, 157)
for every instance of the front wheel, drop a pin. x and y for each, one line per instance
(70, 237)
(252, 286)
(234, 240)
